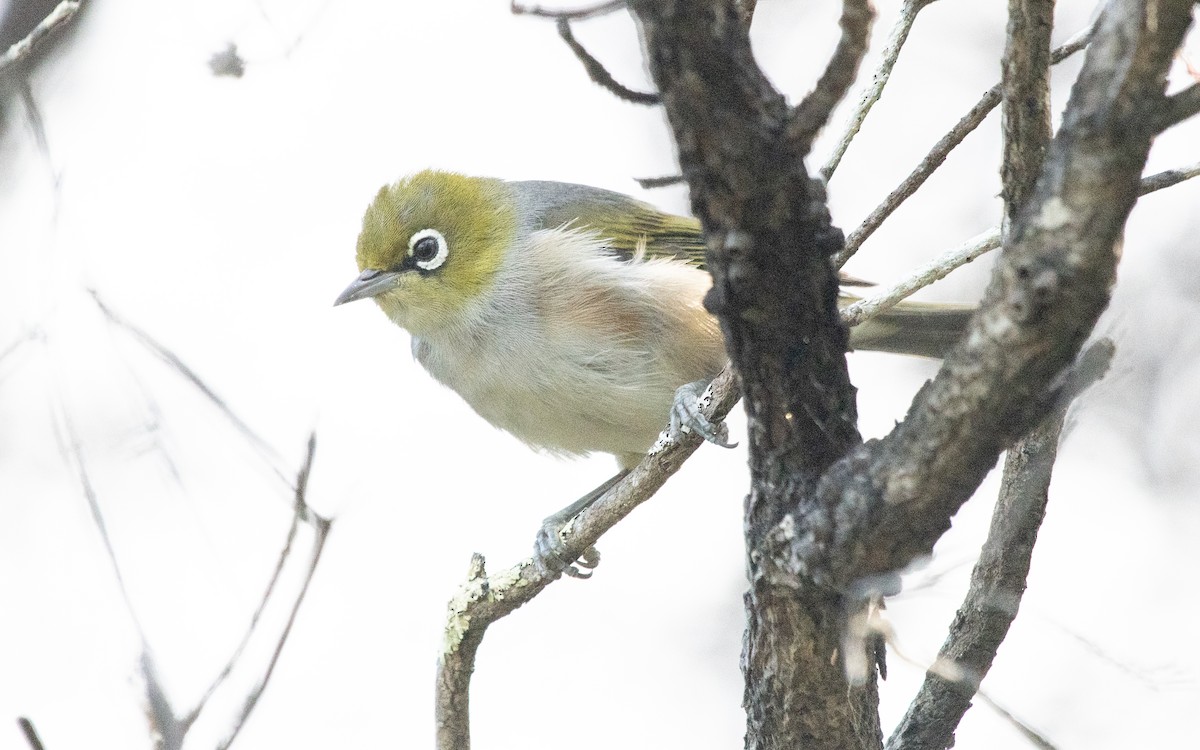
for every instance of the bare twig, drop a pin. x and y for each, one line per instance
(579, 14)
(1167, 178)
(659, 182)
(938, 268)
(938, 154)
(58, 18)
(269, 454)
(1180, 106)
(30, 734)
(998, 581)
(321, 528)
(883, 73)
(598, 73)
(484, 598)
(301, 513)
(812, 113)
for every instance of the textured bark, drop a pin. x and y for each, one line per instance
(829, 519)
(770, 239)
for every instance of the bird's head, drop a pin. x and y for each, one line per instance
(430, 245)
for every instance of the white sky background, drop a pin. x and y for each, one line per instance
(220, 214)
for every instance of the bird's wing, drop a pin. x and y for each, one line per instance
(625, 222)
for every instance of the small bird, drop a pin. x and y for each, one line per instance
(568, 315)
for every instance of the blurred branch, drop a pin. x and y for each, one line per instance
(940, 151)
(58, 18)
(30, 734)
(1180, 107)
(302, 512)
(321, 528)
(812, 113)
(883, 73)
(579, 14)
(1025, 86)
(598, 73)
(998, 580)
(484, 599)
(746, 10)
(650, 183)
(1168, 178)
(160, 350)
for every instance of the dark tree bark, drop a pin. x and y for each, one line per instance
(829, 519)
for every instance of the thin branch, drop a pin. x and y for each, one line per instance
(30, 733)
(812, 113)
(952, 672)
(579, 14)
(1180, 106)
(1168, 178)
(650, 183)
(483, 599)
(883, 73)
(171, 358)
(58, 18)
(936, 269)
(998, 580)
(598, 73)
(321, 528)
(301, 513)
(939, 152)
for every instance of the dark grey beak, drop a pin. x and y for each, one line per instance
(368, 284)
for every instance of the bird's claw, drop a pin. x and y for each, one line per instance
(687, 417)
(550, 556)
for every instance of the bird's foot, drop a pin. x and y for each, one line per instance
(687, 417)
(550, 554)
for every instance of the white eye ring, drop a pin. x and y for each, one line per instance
(425, 261)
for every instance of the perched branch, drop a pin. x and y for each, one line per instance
(813, 112)
(580, 14)
(873, 93)
(998, 581)
(598, 73)
(484, 599)
(58, 18)
(938, 154)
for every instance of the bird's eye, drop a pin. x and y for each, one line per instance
(428, 248)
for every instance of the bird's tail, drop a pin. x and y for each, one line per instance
(924, 329)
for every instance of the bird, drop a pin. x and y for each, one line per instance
(567, 315)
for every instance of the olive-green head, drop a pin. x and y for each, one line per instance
(432, 243)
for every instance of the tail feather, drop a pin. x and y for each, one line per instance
(924, 329)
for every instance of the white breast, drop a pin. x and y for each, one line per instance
(576, 351)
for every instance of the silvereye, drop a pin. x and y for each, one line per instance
(568, 315)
